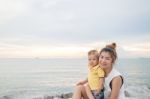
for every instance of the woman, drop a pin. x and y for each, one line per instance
(114, 83)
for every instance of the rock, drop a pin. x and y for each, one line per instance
(127, 94)
(49, 97)
(5, 97)
(66, 96)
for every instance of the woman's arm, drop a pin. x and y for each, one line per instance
(116, 85)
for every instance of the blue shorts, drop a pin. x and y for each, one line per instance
(98, 96)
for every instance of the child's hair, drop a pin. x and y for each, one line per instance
(94, 52)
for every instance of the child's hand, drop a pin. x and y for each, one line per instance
(80, 82)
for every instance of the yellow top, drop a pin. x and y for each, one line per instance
(95, 73)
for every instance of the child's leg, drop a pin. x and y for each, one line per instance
(88, 91)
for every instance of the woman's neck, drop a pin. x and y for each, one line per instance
(108, 70)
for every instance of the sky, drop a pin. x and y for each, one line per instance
(70, 28)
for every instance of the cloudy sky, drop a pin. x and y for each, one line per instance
(69, 28)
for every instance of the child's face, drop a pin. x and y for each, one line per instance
(92, 59)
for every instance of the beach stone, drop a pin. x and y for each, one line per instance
(6, 97)
(38, 98)
(127, 94)
(49, 97)
(67, 95)
(58, 97)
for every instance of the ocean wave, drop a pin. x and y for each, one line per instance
(137, 92)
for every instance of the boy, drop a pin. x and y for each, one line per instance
(94, 83)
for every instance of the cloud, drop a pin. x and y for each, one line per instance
(11, 9)
(26, 25)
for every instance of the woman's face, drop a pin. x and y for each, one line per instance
(105, 60)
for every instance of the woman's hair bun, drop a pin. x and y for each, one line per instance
(112, 45)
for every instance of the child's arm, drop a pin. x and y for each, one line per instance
(101, 75)
(101, 85)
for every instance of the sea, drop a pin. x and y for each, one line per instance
(27, 78)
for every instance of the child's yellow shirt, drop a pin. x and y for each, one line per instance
(94, 75)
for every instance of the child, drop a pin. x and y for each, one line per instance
(94, 83)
